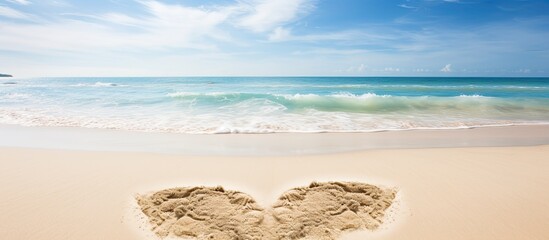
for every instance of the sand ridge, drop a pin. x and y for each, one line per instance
(318, 211)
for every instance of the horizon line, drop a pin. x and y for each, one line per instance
(283, 76)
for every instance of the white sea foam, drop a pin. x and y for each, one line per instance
(298, 96)
(99, 84)
(287, 96)
(214, 123)
(254, 106)
(472, 96)
(16, 96)
(342, 95)
(361, 96)
(195, 94)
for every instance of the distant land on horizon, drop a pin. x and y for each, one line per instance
(5, 75)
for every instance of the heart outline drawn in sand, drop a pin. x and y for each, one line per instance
(319, 211)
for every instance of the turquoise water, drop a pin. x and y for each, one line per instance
(274, 104)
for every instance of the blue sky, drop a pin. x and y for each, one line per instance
(274, 37)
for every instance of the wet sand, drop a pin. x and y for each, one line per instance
(279, 144)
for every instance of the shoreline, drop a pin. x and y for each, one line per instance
(277, 144)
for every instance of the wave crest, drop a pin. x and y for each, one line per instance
(99, 84)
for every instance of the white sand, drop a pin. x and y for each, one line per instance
(445, 193)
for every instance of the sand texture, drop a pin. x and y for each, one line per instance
(319, 211)
(443, 193)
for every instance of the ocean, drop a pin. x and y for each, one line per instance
(207, 105)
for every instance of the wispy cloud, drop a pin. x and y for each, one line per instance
(444, 1)
(332, 51)
(344, 37)
(407, 6)
(59, 3)
(165, 26)
(161, 36)
(22, 2)
(12, 13)
(265, 15)
(280, 34)
(447, 68)
(358, 69)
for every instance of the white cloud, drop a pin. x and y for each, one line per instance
(187, 17)
(181, 40)
(447, 68)
(355, 69)
(122, 19)
(58, 3)
(22, 2)
(390, 69)
(349, 37)
(406, 6)
(361, 68)
(265, 15)
(12, 13)
(332, 51)
(450, 1)
(280, 34)
(165, 26)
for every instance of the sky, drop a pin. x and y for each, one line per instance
(53, 38)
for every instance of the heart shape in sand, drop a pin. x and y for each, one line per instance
(319, 211)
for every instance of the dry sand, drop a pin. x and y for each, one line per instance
(445, 193)
(319, 211)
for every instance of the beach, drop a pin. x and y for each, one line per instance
(274, 120)
(472, 191)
